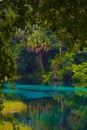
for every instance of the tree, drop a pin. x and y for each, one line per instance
(38, 42)
(7, 65)
(61, 68)
(79, 75)
(66, 18)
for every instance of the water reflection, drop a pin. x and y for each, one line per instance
(51, 108)
(51, 114)
(42, 114)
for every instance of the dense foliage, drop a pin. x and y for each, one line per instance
(66, 20)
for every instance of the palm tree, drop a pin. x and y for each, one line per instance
(38, 42)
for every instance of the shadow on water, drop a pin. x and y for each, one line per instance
(51, 107)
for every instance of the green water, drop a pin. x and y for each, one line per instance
(52, 107)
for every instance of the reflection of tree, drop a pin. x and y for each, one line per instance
(44, 114)
(40, 107)
(73, 111)
(49, 114)
(63, 112)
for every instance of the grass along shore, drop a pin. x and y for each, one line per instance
(13, 106)
(8, 126)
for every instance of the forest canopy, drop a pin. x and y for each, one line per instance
(67, 19)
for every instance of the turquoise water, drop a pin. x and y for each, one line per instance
(51, 107)
(38, 91)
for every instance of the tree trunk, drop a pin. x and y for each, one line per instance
(60, 50)
(40, 59)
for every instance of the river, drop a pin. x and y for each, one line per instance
(51, 107)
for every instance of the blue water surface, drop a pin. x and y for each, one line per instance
(50, 107)
(41, 91)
